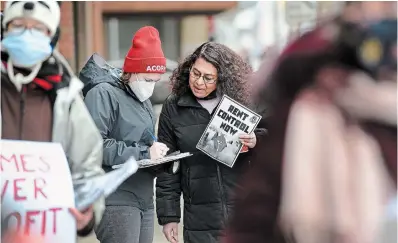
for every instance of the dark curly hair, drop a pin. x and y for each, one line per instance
(232, 71)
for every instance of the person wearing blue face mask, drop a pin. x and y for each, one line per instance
(40, 95)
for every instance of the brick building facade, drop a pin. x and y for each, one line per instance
(83, 32)
(67, 43)
(95, 34)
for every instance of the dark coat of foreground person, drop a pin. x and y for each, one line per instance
(259, 197)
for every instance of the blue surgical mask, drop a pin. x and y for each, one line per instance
(28, 48)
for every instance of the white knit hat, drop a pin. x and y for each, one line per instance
(46, 12)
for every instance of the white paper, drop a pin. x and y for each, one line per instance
(89, 191)
(220, 140)
(37, 190)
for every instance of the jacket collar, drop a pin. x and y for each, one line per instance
(128, 90)
(188, 100)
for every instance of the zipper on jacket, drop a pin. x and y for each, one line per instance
(22, 110)
(223, 200)
(219, 178)
(150, 114)
(188, 185)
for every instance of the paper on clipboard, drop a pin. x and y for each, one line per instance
(90, 190)
(148, 162)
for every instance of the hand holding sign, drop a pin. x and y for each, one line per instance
(33, 175)
(82, 218)
(248, 140)
(230, 132)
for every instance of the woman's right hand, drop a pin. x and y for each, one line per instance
(170, 230)
(158, 150)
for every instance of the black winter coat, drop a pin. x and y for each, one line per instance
(207, 185)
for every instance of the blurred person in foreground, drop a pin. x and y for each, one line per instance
(14, 237)
(199, 83)
(40, 95)
(322, 173)
(118, 101)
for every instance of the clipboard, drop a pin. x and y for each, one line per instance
(169, 158)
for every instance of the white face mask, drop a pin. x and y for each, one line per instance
(142, 89)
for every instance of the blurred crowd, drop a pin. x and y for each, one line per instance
(321, 166)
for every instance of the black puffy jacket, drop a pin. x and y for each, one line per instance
(206, 184)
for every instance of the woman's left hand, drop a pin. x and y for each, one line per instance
(82, 218)
(249, 140)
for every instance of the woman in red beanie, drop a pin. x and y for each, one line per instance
(118, 101)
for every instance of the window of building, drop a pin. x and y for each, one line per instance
(119, 31)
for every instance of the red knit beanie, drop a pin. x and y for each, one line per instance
(145, 55)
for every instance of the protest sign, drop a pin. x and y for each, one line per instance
(220, 140)
(36, 190)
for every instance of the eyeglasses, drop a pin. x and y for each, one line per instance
(207, 78)
(18, 28)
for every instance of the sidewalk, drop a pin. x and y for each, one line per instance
(158, 237)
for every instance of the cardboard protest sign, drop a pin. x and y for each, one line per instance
(220, 140)
(36, 190)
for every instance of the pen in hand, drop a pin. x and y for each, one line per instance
(153, 137)
(157, 150)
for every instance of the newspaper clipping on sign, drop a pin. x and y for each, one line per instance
(220, 140)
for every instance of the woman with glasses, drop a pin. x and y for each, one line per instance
(211, 71)
(118, 100)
